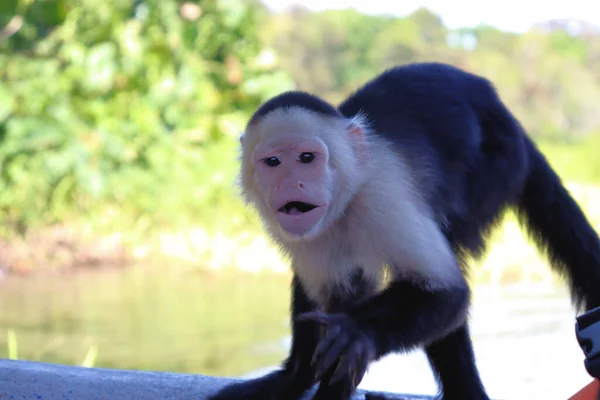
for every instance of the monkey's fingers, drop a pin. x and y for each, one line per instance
(331, 335)
(354, 363)
(328, 356)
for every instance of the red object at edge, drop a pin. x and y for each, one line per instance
(589, 392)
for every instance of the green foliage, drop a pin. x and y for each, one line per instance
(126, 111)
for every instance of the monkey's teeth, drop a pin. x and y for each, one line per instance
(294, 211)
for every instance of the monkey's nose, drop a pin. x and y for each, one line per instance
(300, 185)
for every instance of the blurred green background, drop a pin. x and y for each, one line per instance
(123, 241)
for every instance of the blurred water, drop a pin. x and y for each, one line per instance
(524, 343)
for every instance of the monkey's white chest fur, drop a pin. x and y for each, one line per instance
(330, 263)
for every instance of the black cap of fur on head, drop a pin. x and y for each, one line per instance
(295, 99)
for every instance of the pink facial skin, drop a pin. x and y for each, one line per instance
(295, 176)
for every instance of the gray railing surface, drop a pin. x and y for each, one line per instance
(42, 381)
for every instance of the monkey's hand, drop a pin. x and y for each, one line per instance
(345, 342)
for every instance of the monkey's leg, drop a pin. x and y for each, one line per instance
(404, 316)
(453, 362)
(296, 376)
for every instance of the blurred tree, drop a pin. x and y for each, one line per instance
(324, 52)
(547, 77)
(432, 29)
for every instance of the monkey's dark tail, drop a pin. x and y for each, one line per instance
(559, 227)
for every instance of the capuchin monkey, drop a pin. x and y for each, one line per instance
(379, 203)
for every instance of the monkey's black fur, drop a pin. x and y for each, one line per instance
(297, 99)
(453, 123)
(472, 159)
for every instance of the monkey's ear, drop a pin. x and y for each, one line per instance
(356, 131)
(242, 138)
(357, 137)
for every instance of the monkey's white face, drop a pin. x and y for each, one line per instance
(301, 170)
(293, 175)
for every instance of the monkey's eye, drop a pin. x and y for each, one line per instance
(306, 158)
(271, 161)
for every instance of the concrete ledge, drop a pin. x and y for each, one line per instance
(42, 381)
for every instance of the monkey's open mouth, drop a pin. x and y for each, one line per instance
(298, 217)
(297, 207)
